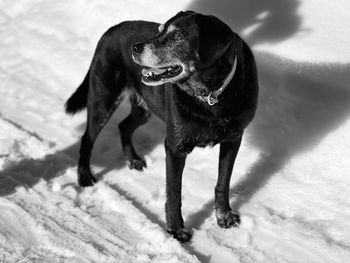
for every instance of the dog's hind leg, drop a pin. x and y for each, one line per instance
(103, 98)
(139, 115)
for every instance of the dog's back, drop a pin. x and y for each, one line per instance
(113, 51)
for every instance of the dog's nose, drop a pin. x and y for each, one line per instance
(137, 48)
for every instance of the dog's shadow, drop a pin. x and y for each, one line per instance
(107, 154)
(298, 108)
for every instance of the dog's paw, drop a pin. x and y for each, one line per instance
(137, 164)
(86, 179)
(182, 234)
(227, 219)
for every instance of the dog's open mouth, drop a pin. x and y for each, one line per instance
(161, 75)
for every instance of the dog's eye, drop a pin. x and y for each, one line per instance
(160, 28)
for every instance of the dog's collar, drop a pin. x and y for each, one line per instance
(212, 98)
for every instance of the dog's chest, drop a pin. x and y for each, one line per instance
(199, 134)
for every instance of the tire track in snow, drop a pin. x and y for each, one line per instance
(104, 227)
(61, 236)
(28, 132)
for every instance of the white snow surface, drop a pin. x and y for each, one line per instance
(291, 179)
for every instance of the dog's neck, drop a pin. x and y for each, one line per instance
(212, 97)
(203, 84)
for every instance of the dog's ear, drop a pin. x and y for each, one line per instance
(185, 13)
(181, 14)
(214, 38)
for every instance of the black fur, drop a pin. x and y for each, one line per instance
(206, 49)
(78, 100)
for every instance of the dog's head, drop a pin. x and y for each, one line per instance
(186, 46)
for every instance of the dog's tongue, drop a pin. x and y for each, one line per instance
(156, 71)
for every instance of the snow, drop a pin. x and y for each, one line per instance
(290, 182)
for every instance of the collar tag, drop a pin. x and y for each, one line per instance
(209, 99)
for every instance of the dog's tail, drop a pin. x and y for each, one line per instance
(78, 100)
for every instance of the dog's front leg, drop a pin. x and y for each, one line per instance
(225, 217)
(175, 163)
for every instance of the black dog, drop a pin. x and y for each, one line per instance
(195, 74)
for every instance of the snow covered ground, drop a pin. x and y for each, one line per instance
(290, 183)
